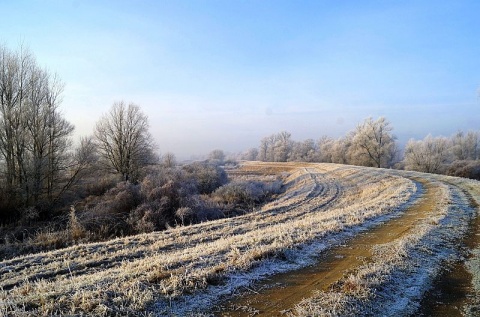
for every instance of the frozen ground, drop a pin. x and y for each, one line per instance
(188, 270)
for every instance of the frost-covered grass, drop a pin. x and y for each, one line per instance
(473, 263)
(393, 283)
(184, 269)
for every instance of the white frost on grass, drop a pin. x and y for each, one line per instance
(401, 271)
(293, 258)
(174, 272)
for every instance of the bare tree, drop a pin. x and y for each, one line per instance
(251, 155)
(83, 160)
(34, 136)
(373, 144)
(306, 151)
(465, 146)
(124, 141)
(217, 155)
(169, 160)
(428, 155)
(282, 146)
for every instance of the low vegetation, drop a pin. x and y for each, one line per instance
(188, 269)
(165, 198)
(159, 267)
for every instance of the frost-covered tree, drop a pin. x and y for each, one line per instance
(34, 136)
(465, 146)
(124, 141)
(263, 150)
(217, 155)
(428, 155)
(251, 155)
(169, 160)
(325, 148)
(282, 146)
(340, 150)
(373, 144)
(305, 151)
(270, 141)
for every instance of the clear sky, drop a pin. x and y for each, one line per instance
(223, 74)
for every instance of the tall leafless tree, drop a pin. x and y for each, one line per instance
(465, 146)
(428, 155)
(34, 136)
(217, 155)
(169, 160)
(373, 143)
(282, 146)
(124, 141)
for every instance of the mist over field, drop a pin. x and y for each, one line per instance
(224, 74)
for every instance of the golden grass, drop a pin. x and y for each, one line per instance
(127, 276)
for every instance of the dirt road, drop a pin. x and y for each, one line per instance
(281, 292)
(358, 213)
(451, 293)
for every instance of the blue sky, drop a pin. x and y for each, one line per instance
(224, 74)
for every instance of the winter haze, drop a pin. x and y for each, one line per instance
(224, 74)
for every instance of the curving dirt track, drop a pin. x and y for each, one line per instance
(377, 228)
(283, 291)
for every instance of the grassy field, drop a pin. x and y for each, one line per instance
(190, 270)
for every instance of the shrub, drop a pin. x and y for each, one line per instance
(246, 193)
(151, 216)
(467, 169)
(208, 177)
(108, 213)
(185, 215)
(99, 186)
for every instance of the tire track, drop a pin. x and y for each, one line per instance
(186, 259)
(282, 292)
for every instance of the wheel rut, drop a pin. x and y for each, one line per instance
(282, 292)
(452, 289)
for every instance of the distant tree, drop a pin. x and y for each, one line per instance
(340, 150)
(275, 148)
(169, 160)
(263, 150)
(305, 151)
(325, 148)
(217, 155)
(465, 146)
(282, 146)
(251, 155)
(271, 140)
(123, 139)
(373, 144)
(428, 155)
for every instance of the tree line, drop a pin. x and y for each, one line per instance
(54, 193)
(39, 166)
(372, 143)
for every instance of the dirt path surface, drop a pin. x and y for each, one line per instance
(452, 289)
(280, 293)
